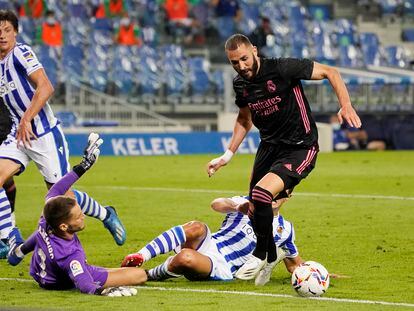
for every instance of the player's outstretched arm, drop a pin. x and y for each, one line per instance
(346, 112)
(228, 205)
(241, 128)
(90, 156)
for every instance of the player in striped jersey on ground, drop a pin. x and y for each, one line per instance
(36, 134)
(202, 255)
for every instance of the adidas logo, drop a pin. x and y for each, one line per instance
(288, 166)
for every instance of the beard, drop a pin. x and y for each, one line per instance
(74, 229)
(253, 70)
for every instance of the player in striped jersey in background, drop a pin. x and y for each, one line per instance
(202, 255)
(36, 134)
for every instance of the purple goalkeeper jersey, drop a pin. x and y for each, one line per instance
(58, 263)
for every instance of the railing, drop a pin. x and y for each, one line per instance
(89, 104)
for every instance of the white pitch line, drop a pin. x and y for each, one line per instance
(214, 291)
(305, 194)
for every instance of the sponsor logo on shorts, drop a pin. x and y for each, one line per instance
(76, 267)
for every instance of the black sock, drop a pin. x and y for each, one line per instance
(10, 188)
(271, 247)
(263, 218)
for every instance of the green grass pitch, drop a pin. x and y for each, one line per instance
(354, 214)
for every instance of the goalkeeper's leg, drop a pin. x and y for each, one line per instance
(125, 277)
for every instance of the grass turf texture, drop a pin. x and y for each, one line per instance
(368, 239)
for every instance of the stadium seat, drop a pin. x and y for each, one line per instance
(6, 5)
(67, 118)
(320, 12)
(78, 9)
(251, 16)
(387, 6)
(225, 26)
(396, 56)
(27, 30)
(199, 76)
(371, 49)
(408, 35)
(72, 60)
(76, 31)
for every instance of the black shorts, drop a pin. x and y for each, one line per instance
(291, 163)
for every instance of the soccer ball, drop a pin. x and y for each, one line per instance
(310, 279)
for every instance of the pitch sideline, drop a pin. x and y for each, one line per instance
(305, 194)
(228, 292)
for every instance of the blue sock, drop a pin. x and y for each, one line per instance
(161, 272)
(5, 215)
(164, 243)
(89, 206)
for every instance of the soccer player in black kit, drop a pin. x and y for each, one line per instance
(269, 95)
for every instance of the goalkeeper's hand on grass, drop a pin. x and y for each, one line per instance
(119, 291)
(91, 152)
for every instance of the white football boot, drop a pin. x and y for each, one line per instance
(264, 275)
(250, 269)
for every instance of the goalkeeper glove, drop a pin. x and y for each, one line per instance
(90, 154)
(119, 291)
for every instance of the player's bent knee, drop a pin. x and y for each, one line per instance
(184, 259)
(194, 229)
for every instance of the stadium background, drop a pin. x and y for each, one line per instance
(178, 79)
(171, 94)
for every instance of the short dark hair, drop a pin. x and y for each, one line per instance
(57, 210)
(8, 15)
(235, 41)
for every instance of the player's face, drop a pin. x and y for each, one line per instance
(76, 221)
(244, 60)
(7, 37)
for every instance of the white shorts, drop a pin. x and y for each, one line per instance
(50, 153)
(221, 269)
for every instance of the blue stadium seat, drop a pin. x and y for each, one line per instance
(370, 48)
(408, 35)
(67, 118)
(98, 79)
(78, 9)
(396, 56)
(225, 26)
(76, 31)
(199, 76)
(387, 6)
(148, 71)
(124, 70)
(6, 5)
(72, 61)
(217, 77)
(251, 16)
(345, 32)
(349, 56)
(27, 30)
(320, 12)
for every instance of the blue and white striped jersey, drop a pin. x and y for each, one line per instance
(236, 240)
(16, 90)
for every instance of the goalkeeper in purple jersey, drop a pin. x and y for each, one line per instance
(59, 261)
